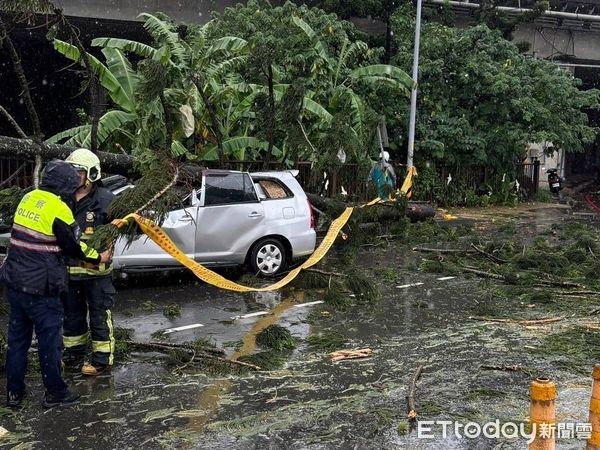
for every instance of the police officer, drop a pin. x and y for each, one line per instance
(90, 286)
(34, 272)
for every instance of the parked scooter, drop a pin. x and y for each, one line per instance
(554, 181)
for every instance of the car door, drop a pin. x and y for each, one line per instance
(230, 219)
(180, 226)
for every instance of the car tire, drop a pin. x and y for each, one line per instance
(268, 257)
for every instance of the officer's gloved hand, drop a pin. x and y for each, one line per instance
(105, 256)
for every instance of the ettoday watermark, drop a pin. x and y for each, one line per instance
(434, 429)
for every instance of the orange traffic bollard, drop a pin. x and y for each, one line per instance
(594, 440)
(542, 414)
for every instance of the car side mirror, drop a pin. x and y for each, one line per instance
(194, 200)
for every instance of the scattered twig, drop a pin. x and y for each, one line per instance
(180, 368)
(489, 255)
(576, 293)
(515, 368)
(484, 274)
(410, 398)
(323, 272)
(203, 353)
(441, 250)
(592, 253)
(526, 322)
(350, 354)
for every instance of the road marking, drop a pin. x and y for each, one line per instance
(445, 278)
(183, 328)
(302, 305)
(404, 286)
(254, 314)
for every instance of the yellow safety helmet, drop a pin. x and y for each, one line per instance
(84, 159)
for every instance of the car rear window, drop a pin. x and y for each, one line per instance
(225, 188)
(273, 189)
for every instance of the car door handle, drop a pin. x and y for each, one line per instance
(186, 219)
(255, 214)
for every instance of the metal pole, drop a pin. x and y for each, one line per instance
(413, 95)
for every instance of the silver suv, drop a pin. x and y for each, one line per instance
(263, 220)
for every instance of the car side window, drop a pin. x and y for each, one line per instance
(227, 188)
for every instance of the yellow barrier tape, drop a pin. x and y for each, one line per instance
(406, 188)
(156, 233)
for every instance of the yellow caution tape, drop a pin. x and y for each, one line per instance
(406, 188)
(156, 233)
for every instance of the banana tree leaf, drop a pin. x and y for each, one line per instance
(121, 69)
(162, 30)
(384, 70)
(318, 45)
(125, 45)
(105, 76)
(391, 82)
(109, 123)
(209, 153)
(70, 133)
(178, 149)
(230, 44)
(234, 145)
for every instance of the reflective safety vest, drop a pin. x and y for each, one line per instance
(35, 263)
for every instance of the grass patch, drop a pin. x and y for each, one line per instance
(267, 360)
(276, 337)
(149, 306)
(172, 311)
(577, 348)
(327, 341)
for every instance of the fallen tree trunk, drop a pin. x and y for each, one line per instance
(112, 163)
(415, 211)
(26, 149)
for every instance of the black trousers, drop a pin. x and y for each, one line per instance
(44, 314)
(93, 297)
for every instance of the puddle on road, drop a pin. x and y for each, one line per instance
(210, 399)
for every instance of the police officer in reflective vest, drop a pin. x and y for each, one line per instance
(90, 286)
(34, 272)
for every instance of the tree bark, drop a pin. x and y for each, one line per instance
(26, 149)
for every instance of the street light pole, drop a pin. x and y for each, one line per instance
(413, 95)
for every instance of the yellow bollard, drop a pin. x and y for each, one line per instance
(594, 440)
(543, 411)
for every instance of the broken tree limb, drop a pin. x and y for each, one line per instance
(515, 368)
(484, 274)
(26, 149)
(525, 322)
(541, 282)
(489, 255)
(323, 272)
(410, 398)
(202, 353)
(442, 250)
(350, 354)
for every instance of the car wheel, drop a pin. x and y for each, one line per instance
(268, 257)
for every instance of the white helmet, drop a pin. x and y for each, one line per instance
(84, 159)
(384, 155)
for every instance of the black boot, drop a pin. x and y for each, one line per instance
(67, 399)
(14, 400)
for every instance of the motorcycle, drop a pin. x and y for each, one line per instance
(554, 181)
